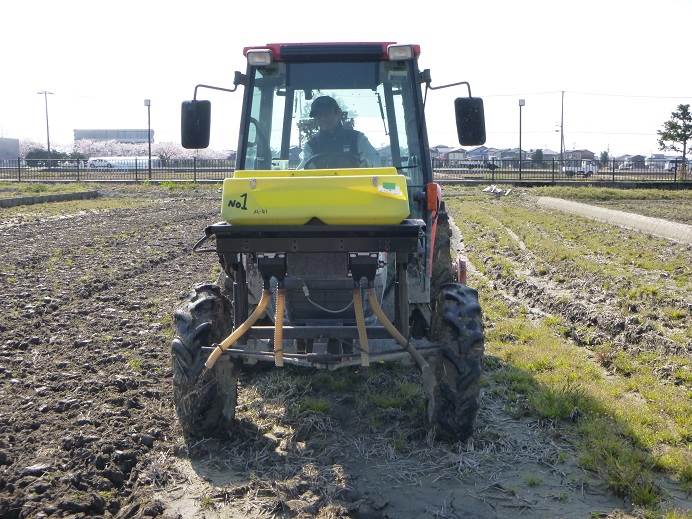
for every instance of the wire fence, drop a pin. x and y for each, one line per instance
(135, 170)
(555, 170)
(496, 171)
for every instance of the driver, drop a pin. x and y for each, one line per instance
(338, 146)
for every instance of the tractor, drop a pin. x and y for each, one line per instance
(330, 261)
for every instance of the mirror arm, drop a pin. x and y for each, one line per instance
(239, 79)
(194, 98)
(450, 85)
(424, 77)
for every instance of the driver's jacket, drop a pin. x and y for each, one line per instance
(341, 140)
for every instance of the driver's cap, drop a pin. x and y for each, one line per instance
(323, 104)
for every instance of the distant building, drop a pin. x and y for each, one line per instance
(9, 149)
(513, 154)
(549, 154)
(638, 161)
(440, 151)
(125, 136)
(579, 155)
(658, 160)
(479, 153)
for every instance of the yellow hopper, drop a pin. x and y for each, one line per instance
(364, 196)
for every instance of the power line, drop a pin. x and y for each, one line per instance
(596, 94)
(524, 94)
(604, 132)
(604, 94)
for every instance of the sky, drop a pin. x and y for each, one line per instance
(624, 65)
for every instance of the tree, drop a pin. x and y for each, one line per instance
(38, 157)
(676, 133)
(604, 158)
(537, 157)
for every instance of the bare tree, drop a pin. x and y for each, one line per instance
(25, 146)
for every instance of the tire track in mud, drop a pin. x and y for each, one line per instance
(543, 298)
(87, 413)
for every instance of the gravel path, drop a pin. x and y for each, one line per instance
(679, 232)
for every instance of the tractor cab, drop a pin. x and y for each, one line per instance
(376, 92)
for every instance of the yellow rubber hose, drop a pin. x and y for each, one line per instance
(240, 331)
(279, 327)
(427, 374)
(360, 323)
(375, 305)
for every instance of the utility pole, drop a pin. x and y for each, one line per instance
(562, 127)
(147, 103)
(45, 98)
(522, 102)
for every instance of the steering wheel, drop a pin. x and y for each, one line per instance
(333, 159)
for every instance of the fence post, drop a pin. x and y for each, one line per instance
(552, 171)
(613, 170)
(194, 169)
(492, 170)
(19, 169)
(77, 170)
(136, 171)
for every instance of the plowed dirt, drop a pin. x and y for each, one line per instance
(87, 426)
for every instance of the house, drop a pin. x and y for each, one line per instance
(440, 151)
(456, 155)
(579, 155)
(638, 161)
(549, 155)
(484, 153)
(513, 154)
(659, 160)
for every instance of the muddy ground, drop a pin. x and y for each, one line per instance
(87, 426)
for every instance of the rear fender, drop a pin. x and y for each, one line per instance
(433, 195)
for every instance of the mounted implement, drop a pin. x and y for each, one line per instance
(335, 243)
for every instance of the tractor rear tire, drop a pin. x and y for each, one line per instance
(457, 325)
(205, 400)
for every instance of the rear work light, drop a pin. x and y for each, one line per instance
(399, 52)
(259, 57)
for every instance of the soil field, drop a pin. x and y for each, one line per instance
(87, 426)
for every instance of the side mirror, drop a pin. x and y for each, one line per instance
(470, 120)
(195, 122)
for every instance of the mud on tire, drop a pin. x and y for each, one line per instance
(205, 400)
(457, 326)
(442, 272)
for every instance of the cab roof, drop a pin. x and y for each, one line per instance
(341, 51)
